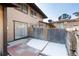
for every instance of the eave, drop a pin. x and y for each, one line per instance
(36, 8)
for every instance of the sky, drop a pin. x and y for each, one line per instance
(54, 10)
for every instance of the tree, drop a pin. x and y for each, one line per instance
(50, 20)
(76, 14)
(64, 16)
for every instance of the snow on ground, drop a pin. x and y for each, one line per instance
(36, 43)
(55, 49)
(52, 49)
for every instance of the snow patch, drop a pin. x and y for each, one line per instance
(55, 49)
(37, 43)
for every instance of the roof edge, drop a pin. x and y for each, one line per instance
(72, 20)
(35, 7)
(9, 4)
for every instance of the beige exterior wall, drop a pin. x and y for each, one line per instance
(77, 46)
(1, 28)
(14, 14)
(57, 25)
(68, 25)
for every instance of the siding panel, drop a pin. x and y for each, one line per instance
(1, 28)
(14, 14)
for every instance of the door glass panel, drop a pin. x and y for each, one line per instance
(20, 30)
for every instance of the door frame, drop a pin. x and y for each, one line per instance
(14, 29)
(4, 6)
(4, 31)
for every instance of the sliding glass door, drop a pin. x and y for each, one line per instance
(20, 30)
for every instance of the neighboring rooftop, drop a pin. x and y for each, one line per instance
(71, 20)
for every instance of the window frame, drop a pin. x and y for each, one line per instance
(22, 9)
(33, 13)
(25, 9)
(14, 21)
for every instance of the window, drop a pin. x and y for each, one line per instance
(20, 7)
(23, 7)
(33, 13)
(20, 30)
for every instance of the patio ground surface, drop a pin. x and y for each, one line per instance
(35, 47)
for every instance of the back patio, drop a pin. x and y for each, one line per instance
(36, 47)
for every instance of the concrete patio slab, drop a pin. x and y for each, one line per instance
(55, 49)
(36, 47)
(37, 43)
(22, 50)
(21, 41)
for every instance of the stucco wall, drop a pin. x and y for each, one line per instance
(68, 24)
(1, 28)
(78, 47)
(77, 38)
(14, 14)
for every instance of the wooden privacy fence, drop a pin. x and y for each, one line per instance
(37, 32)
(56, 35)
(49, 34)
